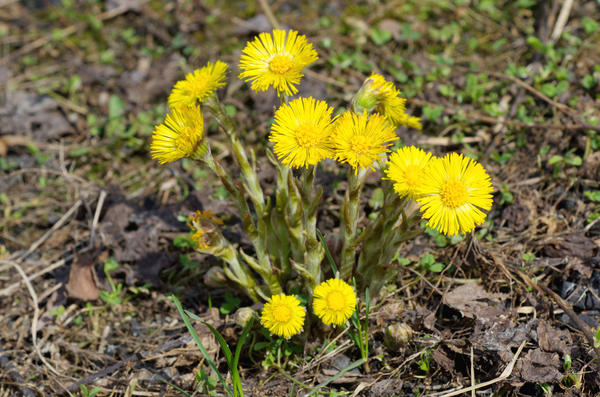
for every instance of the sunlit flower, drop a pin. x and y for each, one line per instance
(405, 168)
(198, 85)
(454, 192)
(301, 132)
(283, 315)
(334, 301)
(359, 140)
(274, 60)
(381, 96)
(181, 135)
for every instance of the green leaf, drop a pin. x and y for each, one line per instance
(593, 195)
(192, 331)
(588, 81)
(436, 267)
(555, 159)
(116, 107)
(590, 25)
(535, 43)
(110, 265)
(597, 339)
(380, 36)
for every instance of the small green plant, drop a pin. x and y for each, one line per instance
(89, 393)
(112, 297)
(428, 263)
(360, 333)
(528, 257)
(235, 390)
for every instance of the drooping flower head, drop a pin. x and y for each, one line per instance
(454, 192)
(181, 135)
(334, 301)
(283, 315)
(198, 85)
(381, 96)
(276, 60)
(301, 132)
(359, 140)
(205, 227)
(405, 168)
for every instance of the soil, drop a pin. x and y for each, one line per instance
(515, 309)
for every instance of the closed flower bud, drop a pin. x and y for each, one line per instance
(243, 315)
(215, 277)
(397, 335)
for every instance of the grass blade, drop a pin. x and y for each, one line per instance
(326, 248)
(192, 332)
(336, 376)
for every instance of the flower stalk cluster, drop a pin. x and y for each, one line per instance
(451, 193)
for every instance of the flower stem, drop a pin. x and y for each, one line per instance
(349, 218)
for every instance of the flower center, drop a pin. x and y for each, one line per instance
(412, 175)
(360, 144)
(307, 136)
(187, 141)
(282, 313)
(453, 193)
(280, 64)
(335, 301)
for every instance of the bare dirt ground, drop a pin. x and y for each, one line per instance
(514, 83)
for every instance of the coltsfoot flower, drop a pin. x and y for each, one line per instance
(302, 132)
(381, 96)
(334, 301)
(206, 228)
(181, 135)
(360, 140)
(453, 194)
(405, 168)
(198, 85)
(283, 315)
(276, 60)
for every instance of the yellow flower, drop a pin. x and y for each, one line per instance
(453, 194)
(379, 95)
(205, 227)
(334, 301)
(301, 132)
(274, 60)
(198, 85)
(181, 135)
(405, 169)
(359, 140)
(283, 315)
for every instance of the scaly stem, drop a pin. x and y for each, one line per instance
(248, 170)
(349, 219)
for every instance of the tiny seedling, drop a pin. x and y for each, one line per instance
(112, 297)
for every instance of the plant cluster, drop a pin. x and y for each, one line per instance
(450, 193)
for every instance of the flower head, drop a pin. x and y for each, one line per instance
(206, 229)
(181, 135)
(405, 169)
(379, 95)
(334, 301)
(359, 140)
(301, 132)
(454, 192)
(283, 315)
(198, 85)
(276, 60)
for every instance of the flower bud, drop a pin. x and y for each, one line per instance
(397, 335)
(243, 315)
(215, 277)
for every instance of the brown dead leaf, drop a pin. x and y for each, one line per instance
(473, 301)
(82, 279)
(552, 339)
(573, 244)
(539, 367)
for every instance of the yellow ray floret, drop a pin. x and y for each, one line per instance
(283, 315)
(198, 85)
(359, 140)
(454, 193)
(301, 132)
(334, 301)
(405, 168)
(276, 60)
(181, 135)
